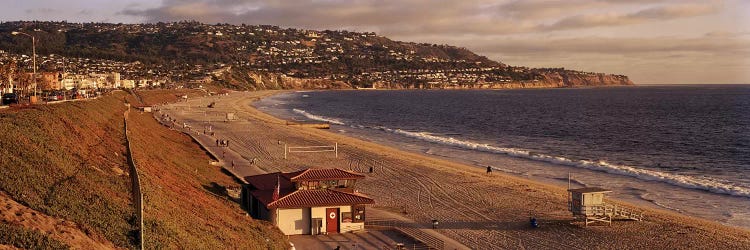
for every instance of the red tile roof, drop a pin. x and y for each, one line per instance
(268, 181)
(263, 187)
(266, 196)
(321, 174)
(318, 198)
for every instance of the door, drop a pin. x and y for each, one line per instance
(332, 220)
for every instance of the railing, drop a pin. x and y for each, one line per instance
(136, 182)
(610, 210)
(349, 228)
(429, 241)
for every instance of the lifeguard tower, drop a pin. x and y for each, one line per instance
(588, 204)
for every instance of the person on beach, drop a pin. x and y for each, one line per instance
(489, 170)
(217, 142)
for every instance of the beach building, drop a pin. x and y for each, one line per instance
(309, 201)
(588, 204)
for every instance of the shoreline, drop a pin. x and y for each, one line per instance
(464, 197)
(678, 193)
(639, 203)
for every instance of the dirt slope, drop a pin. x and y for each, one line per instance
(66, 161)
(187, 205)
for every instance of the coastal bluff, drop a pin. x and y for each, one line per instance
(257, 57)
(253, 80)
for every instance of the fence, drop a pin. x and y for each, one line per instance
(429, 241)
(136, 182)
(311, 149)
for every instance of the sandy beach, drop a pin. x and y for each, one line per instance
(478, 210)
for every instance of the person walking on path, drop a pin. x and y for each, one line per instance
(489, 170)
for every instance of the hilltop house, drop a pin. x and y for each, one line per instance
(310, 201)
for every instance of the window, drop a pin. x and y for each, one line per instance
(346, 217)
(358, 213)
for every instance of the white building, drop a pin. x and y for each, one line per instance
(128, 84)
(310, 201)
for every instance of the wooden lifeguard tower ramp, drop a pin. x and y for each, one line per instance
(587, 204)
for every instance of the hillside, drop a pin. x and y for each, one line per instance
(186, 201)
(67, 161)
(191, 52)
(66, 184)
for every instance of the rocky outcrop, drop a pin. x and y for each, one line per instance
(579, 79)
(252, 80)
(262, 80)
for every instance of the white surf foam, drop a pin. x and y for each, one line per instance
(701, 183)
(318, 118)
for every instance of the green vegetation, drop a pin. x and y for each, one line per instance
(27, 239)
(185, 199)
(67, 160)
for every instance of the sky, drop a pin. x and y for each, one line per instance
(652, 41)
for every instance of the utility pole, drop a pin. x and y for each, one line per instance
(33, 50)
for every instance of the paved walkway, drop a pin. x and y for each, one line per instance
(421, 228)
(228, 158)
(371, 239)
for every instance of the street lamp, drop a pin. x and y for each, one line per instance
(33, 49)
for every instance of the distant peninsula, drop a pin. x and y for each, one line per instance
(255, 57)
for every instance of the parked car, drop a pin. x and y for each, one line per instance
(51, 98)
(10, 98)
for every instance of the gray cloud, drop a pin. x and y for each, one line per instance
(415, 17)
(40, 11)
(85, 12)
(615, 19)
(717, 45)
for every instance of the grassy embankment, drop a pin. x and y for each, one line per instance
(186, 200)
(68, 161)
(20, 237)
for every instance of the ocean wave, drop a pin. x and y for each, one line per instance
(318, 118)
(701, 183)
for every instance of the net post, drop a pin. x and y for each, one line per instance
(285, 149)
(336, 149)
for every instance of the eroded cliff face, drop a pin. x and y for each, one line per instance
(264, 80)
(584, 79)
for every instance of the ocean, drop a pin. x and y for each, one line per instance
(684, 148)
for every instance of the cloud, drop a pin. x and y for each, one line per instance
(718, 45)
(716, 59)
(676, 11)
(616, 19)
(416, 17)
(40, 11)
(84, 12)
